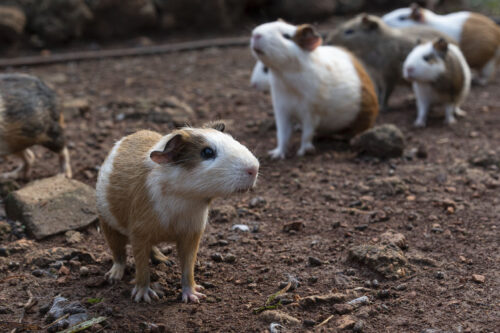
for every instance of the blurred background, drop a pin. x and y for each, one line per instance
(30, 26)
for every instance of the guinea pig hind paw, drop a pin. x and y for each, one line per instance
(144, 293)
(277, 153)
(419, 124)
(309, 149)
(190, 295)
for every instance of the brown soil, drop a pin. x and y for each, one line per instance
(331, 193)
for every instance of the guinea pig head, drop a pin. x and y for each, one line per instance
(361, 31)
(406, 17)
(280, 45)
(426, 62)
(204, 163)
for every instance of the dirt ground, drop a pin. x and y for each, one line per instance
(342, 200)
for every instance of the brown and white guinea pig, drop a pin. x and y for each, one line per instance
(260, 77)
(153, 188)
(382, 49)
(30, 115)
(440, 75)
(325, 88)
(478, 36)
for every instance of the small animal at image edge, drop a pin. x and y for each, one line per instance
(260, 77)
(324, 88)
(154, 188)
(381, 48)
(478, 36)
(30, 115)
(440, 76)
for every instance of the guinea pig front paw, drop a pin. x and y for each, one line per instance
(419, 123)
(306, 149)
(192, 295)
(450, 121)
(115, 274)
(144, 293)
(277, 153)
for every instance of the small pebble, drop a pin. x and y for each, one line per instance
(358, 327)
(478, 278)
(230, 258)
(375, 283)
(359, 301)
(4, 252)
(37, 272)
(313, 261)
(312, 279)
(84, 271)
(361, 227)
(439, 275)
(350, 272)
(382, 294)
(240, 227)
(309, 323)
(217, 257)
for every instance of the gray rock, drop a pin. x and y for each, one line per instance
(359, 301)
(62, 306)
(383, 141)
(387, 260)
(52, 205)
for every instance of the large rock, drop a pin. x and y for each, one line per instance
(383, 141)
(213, 15)
(120, 17)
(57, 21)
(387, 260)
(12, 22)
(299, 10)
(52, 205)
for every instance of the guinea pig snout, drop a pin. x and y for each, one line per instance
(256, 43)
(409, 72)
(252, 171)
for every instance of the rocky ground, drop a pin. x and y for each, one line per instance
(408, 244)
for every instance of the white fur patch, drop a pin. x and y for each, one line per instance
(260, 77)
(450, 24)
(416, 68)
(102, 190)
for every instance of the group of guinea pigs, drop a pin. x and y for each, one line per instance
(143, 197)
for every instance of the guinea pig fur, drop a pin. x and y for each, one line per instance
(325, 88)
(440, 76)
(478, 36)
(260, 77)
(381, 48)
(153, 188)
(30, 115)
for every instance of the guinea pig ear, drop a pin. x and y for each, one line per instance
(441, 46)
(307, 37)
(217, 125)
(416, 12)
(171, 151)
(368, 23)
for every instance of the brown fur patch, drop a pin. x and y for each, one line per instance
(450, 84)
(369, 106)
(480, 40)
(307, 37)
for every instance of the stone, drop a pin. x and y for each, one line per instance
(257, 202)
(240, 227)
(359, 301)
(217, 257)
(387, 260)
(393, 237)
(62, 306)
(383, 141)
(49, 25)
(278, 316)
(44, 257)
(223, 214)
(5, 228)
(485, 159)
(293, 226)
(52, 205)
(4, 252)
(12, 23)
(331, 298)
(388, 185)
(298, 10)
(73, 237)
(478, 278)
(314, 262)
(359, 326)
(345, 322)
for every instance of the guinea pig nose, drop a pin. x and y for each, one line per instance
(410, 70)
(257, 36)
(252, 171)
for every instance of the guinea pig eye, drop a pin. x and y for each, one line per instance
(349, 32)
(402, 18)
(428, 57)
(265, 69)
(207, 153)
(287, 36)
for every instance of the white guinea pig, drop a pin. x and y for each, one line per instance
(153, 188)
(324, 88)
(260, 77)
(478, 36)
(440, 76)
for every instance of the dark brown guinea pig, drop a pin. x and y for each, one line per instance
(29, 115)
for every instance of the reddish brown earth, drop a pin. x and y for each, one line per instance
(332, 193)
